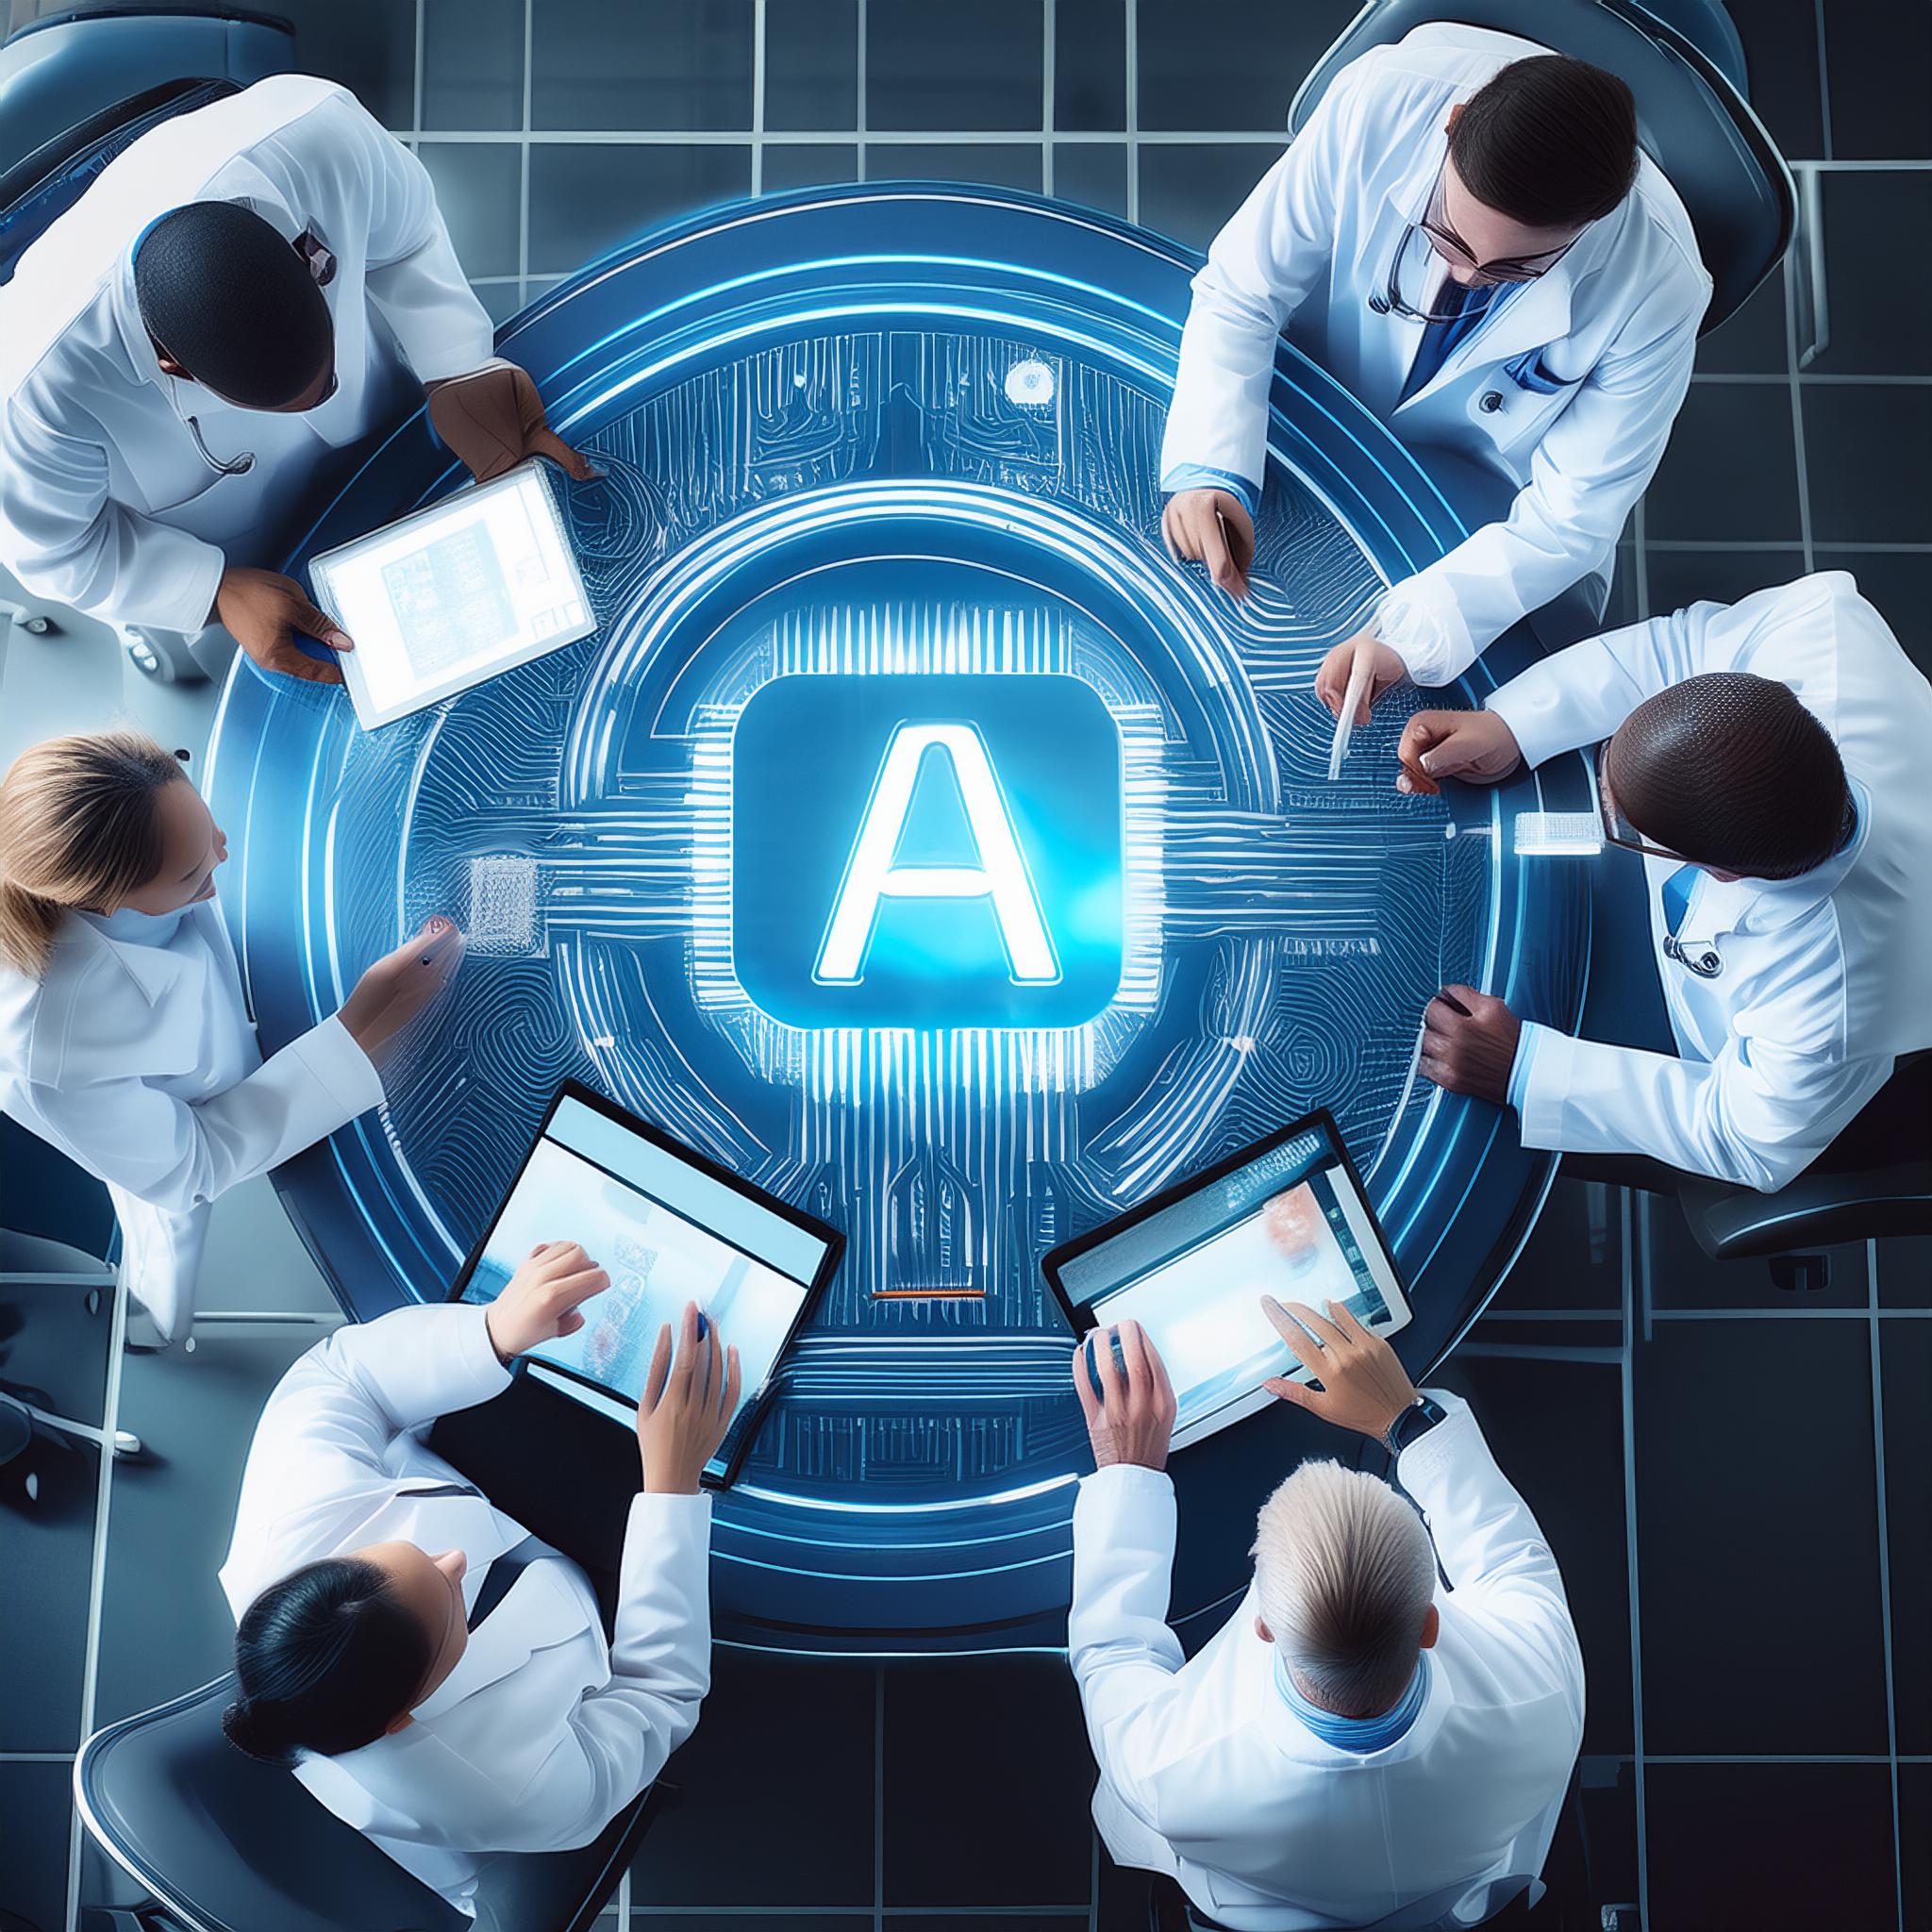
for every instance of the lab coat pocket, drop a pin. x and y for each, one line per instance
(1530, 372)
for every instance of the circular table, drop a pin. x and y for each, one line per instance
(874, 455)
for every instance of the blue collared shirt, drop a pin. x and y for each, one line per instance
(1359, 1735)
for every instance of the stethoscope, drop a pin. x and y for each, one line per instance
(1704, 960)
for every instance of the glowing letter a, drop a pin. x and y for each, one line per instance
(1001, 875)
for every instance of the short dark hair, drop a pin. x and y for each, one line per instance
(1732, 771)
(227, 296)
(327, 1659)
(1549, 140)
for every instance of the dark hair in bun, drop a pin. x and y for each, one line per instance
(327, 1659)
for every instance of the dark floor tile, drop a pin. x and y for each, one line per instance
(1915, 1841)
(1865, 453)
(651, 64)
(1678, 577)
(1755, 1526)
(1682, 1275)
(1120, 1894)
(479, 190)
(1905, 1354)
(47, 1499)
(1556, 1431)
(1000, 164)
(586, 201)
(1237, 68)
(811, 65)
(1090, 65)
(1751, 342)
(165, 1625)
(54, 1341)
(1880, 293)
(751, 1922)
(1006, 1921)
(473, 63)
(500, 300)
(1781, 52)
(1622, 608)
(1731, 474)
(1771, 1847)
(368, 45)
(807, 165)
(1188, 193)
(1094, 174)
(1878, 65)
(1574, 1255)
(990, 1753)
(1905, 1271)
(767, 1718)
(1900, 584)
(954, 65)
(33, 1878)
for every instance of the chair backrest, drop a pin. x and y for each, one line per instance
(1693, 123)
(227, 1844)
(46, 1195)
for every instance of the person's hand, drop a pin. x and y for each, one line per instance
(689, 1399)
(1131, 1418)
(1386, 669)
(542, 1298)
(1211, 526)
(393, 990)
(1475, 746)
(494, 419)
(264, 612)
(1363, 1385)
(1469, 1044)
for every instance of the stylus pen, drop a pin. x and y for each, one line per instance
(1454, 1004)
(1359, 673)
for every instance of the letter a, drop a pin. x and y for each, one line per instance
(1001, 875)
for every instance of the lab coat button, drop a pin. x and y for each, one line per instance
(1491, 401)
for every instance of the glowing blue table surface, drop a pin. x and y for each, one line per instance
(874, 454)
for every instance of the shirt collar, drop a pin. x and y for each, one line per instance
(1358, 1735)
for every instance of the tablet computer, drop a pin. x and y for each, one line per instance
(669, 1228)
(453, 594)
(1285, 1217)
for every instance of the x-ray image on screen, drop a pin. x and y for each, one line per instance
(657, 1259)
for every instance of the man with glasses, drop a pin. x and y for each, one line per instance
(247, 289)
(1767, 761)
(1466, 235)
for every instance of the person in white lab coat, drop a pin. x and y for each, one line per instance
(246, 289)
(1466, 235)
(1353, 1741)
(439, 1676)
(124, 1036)
(1768, 759)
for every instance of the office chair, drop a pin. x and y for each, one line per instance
(1458, 1908)
(1683, 61)
(223, 1843)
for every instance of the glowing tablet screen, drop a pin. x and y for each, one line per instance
(479, 582)
(1286, 1218)
(668, 1229)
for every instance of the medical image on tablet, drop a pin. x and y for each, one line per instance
(666, 1233)
(1290, 1222)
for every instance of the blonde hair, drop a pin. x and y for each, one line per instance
(78, 827)
(1345, 1573)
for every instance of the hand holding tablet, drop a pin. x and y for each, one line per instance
(1126, 1396)
(690, 1401)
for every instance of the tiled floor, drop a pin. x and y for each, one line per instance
(1736, 1477)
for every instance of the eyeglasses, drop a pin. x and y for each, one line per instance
(1432, 238)
(1618, 830)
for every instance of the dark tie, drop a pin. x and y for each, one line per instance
(503, 1571)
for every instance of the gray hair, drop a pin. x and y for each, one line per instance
(1346, 1573)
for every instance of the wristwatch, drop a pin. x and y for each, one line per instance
(1418, 1419)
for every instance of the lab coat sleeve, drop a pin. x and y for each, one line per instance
(1494, 1554)
(1590, 468)
(1756, 1116)
(68, 542)
(412, 276)
(1274, 248)
(621, 1734)
(174, 1153)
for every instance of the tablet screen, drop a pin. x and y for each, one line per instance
(454, 593)
(668, 1229)
(1284, 1218)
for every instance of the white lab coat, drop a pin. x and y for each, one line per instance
(105, 502)
(1824, 978)
(543, 1731)
(140, 1063)
(1577, 433)
(1207, 1774)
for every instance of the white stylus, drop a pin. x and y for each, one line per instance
(1358, 675)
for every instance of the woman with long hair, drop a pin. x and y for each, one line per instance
(124, 1038)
